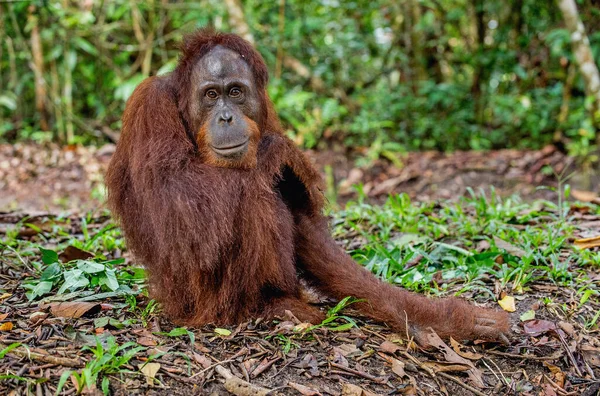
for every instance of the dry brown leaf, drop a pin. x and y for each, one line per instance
(304, 390)
(353, 390)
(3, 316)
(149, 370)
(73, 253)
(548, 390)
(146, 341)
(466, 354)
(74, 309)
(567, 328)
(557, 374)
(538, 326)
(7, 326)
(389, 347)
(444, 367)
(586, 196)
(4, 296)
(474, 373)
(37, 317)
(202, 360)
(591, 355)
(587, 243)
(398, 368)
(264, 365)
(349, 350)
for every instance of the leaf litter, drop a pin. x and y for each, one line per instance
(108, 337)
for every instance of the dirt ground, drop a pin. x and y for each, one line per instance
(550, 357)
(36, 178)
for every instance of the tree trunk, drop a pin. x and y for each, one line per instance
(582, 51)
(238, 21)
(37, 65)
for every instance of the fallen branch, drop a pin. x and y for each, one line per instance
(379, 380)
(461, 383)
(40, 357)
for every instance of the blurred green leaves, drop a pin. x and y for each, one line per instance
(408, 75)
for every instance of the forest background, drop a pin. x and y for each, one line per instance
(378, 75)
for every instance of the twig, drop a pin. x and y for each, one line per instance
(569, 354)
(529, 357)
(368, 376)
(461, 383)
(61, 361)
(212, 366)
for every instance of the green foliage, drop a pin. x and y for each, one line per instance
(408, 75)
(80, 274)
(108, 359)
(430, 249)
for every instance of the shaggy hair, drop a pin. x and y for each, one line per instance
(224, 244)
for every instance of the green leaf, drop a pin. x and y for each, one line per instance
(90, 267)
(105, 385)
(109, 279)
(85, 45)
(74, 280)
(9, 101)
(223, 332)
(9, 348)
(63, 380)
(52, 271)
(178, 332)
(38, 289)
(49, 256)
(528, 315)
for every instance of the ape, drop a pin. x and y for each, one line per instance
(225, 212)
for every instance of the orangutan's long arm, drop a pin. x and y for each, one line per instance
(334, 272)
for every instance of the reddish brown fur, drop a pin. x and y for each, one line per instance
(224, 244)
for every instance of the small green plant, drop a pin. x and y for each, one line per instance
(333, 319)
(107, 360)
(79, 274)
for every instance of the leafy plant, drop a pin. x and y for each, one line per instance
(79, 274)
(107, 360)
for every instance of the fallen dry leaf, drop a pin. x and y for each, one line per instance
(591, 355)
(397, 365)
(7, 326)
(389, 347)
(146, 341)
(557, 374)
(587, 243)
(73, 253)
(585, 196)
(149, 370)
(538, 326)
(74, 309)
(3, 316)
(567, 328)
(474, 373)
(349, 350)
(458, 348)
(443, 367)
(508, 303)
(398, 368)
(304, 390)
(202, 360)
(37, 317)
(353, 390)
